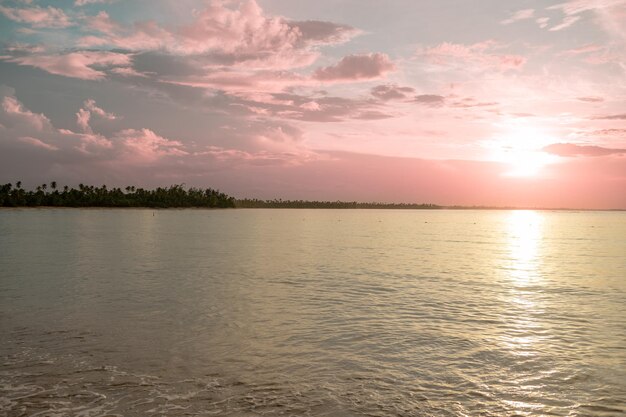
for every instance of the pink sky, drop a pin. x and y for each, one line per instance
(487, 103)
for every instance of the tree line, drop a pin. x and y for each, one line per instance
(51, 195)
(279, 203)
(90, 196)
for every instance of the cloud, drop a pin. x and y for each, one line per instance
(18, 48)
(323, 109)
(608, 12)
(75, 64)
(430, 99)
(591, 99)
(228, 46)
(391, 92)
(38, 143)
(596, 54)
(372, 115)
(28, 137)
(610, 117)
(144, 145)
(579, 6)
(323, 33)
(469, 102)
(86, 2)
(17, 114)
(84, 115)
(610, 132)
(102, 23)
(242, 34)
(82, 120)
(542, 22)
(573, 150)
(585, 49)
(567, 22)
(519, 15)
(38, 17)
(127, 72)
(91, 106)
(356, 68)
(481, 56)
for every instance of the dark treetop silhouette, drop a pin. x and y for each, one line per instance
(173, 196)
(89, 196)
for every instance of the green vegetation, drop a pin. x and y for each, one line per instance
(254, 203)
(89, 196)
(50, 195)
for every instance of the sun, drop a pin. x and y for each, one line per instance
(526, 163)
(520, 148)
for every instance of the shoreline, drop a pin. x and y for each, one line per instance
(440, 208)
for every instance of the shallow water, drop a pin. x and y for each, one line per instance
(312, 312)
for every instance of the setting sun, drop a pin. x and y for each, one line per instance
(520, 147)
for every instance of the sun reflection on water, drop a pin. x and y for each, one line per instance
(525, 232)
(523, 309)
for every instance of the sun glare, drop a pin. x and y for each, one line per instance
(520, 148)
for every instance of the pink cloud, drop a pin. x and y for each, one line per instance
(75, 64)
(23, 48)
(37, 143)
(356, 68)
(84, 115)
(130, 146)
(430, 99)
(480, 55)
(234, 157)
(324, 33)
(590, 99)
(542, 22)
(610, 14)
(585, 49)
(86, 2)
(90, 105)
(574, 7)
(565, 23)
(146, 146)
(519, 15)
(241, 81)
(102, 23)
(243, 34)
(38, 17)
(391, 92)
(572, 150)
(245, 29)
(610, 117)
(597, 54)
(17, 113)
(127, 72)
(82, 120)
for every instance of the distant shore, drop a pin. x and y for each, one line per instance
(178, 197)
(439, 208)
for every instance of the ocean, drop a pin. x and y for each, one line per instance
(278, 312)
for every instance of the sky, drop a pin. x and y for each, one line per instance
(490, 102)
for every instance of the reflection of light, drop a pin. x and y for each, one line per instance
(524, 335)
(525, 228)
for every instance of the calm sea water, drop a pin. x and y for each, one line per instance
(312, 313)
